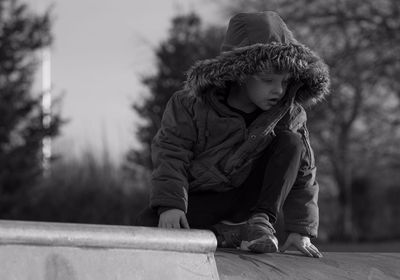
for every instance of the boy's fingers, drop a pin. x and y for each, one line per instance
(176, 225)
(315, 250)
(305, 251)
(185, 223)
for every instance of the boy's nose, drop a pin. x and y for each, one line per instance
(277, 92)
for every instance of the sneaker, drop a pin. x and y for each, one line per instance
(228, 233)
(256, 234)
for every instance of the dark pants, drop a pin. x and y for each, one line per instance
(264, 190)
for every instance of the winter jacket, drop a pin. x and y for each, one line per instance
(203, 145)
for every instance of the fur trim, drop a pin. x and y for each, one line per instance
(304, 65)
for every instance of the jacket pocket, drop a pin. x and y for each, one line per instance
(203, 177)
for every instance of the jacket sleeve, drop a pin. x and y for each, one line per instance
(162, 209)
(171, 154)
(301, 212)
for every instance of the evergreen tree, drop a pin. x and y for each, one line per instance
(187, 42)
(22, 35)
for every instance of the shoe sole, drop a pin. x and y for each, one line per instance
(264, 244)
(229, 223)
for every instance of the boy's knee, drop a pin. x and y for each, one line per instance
(289, 141)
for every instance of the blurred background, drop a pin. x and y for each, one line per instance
(83, 85)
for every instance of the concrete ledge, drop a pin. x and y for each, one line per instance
(106, 236)
(60, 251)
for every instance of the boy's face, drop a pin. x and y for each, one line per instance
(267, 88)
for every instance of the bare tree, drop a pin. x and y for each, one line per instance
(357, 128)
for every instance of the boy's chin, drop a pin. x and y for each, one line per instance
(265, 107)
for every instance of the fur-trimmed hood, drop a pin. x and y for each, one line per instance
(255, 42)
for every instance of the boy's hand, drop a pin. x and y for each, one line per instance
(173, 218)
(301, 243)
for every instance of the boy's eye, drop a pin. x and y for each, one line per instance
(266, 80)
(263, 79)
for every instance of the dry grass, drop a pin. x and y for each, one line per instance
(83, 190)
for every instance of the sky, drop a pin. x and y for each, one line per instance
(100, 51)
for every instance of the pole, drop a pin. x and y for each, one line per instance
(46, 109)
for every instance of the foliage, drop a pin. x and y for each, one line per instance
(82, 191)
(22, 36)
(187, 42)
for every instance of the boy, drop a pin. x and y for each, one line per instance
(233, 148)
